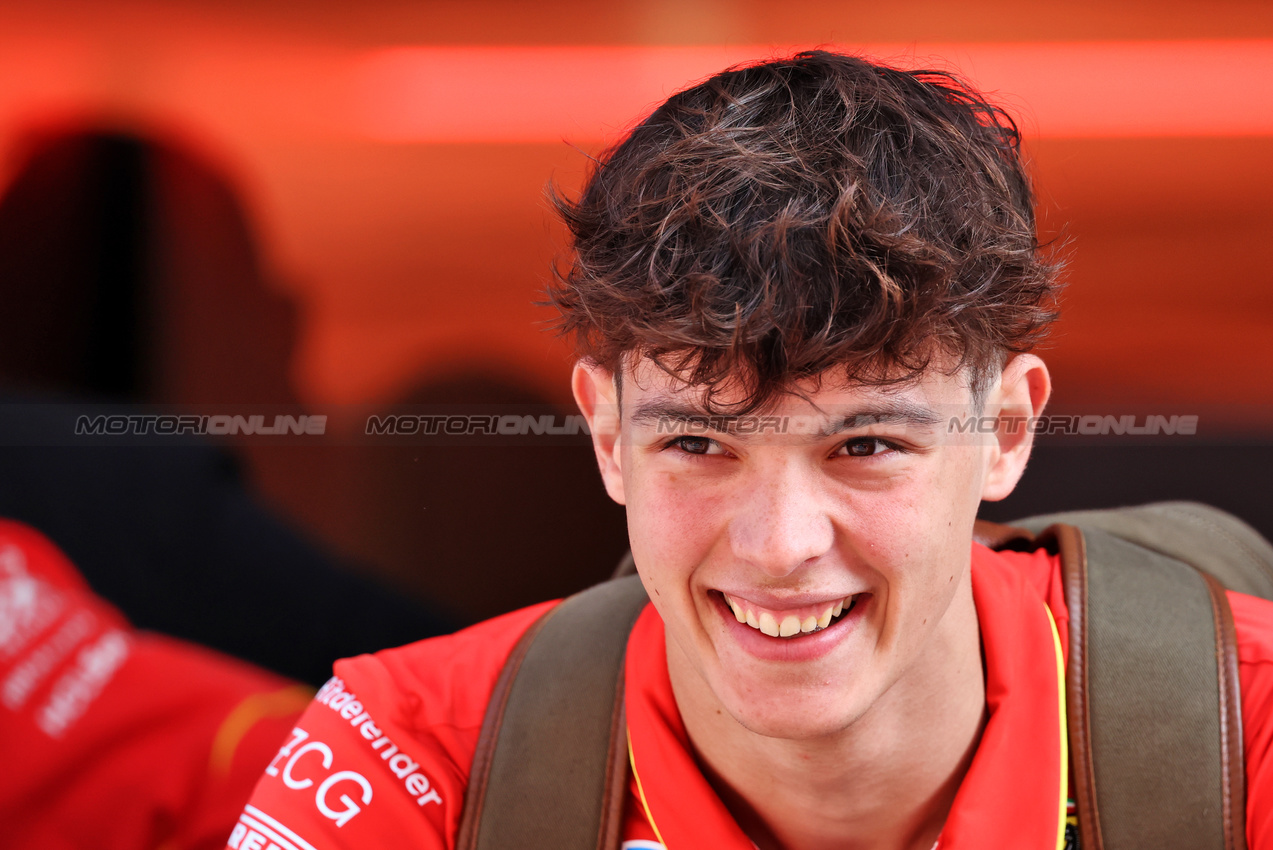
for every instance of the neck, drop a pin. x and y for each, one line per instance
(885, 782)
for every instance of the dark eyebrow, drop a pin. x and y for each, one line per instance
(889, 413)
(656, 411)
(885, 413)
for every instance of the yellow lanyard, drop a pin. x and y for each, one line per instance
(1065, 732)
(641, 792)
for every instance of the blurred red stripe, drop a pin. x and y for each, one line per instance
(586, 93)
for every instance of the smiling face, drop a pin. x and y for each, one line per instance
(810, 563)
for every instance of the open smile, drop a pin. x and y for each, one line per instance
(790, 622)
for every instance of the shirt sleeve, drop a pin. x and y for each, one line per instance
(349, 777)
(1253, 622)
(113, 738)
(381, 757)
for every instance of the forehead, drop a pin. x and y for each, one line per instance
(644, 384)
(811, 410)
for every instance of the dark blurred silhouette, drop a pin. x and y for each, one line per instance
(128, 274)
(73, 270)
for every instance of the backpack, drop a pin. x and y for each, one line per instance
(1152, 692)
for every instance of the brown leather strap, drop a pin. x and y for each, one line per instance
(1231, 746)
(611, 831)
(1073, 555)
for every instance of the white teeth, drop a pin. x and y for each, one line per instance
(791, 624)
(825, 619)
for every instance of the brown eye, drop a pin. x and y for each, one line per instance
(865, 447)
(694, 445)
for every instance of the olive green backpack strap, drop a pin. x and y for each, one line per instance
(550, 770)
(1152, 693)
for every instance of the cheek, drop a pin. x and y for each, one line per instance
(670, 520)
(965, 472)
(917, 539)
(943, 500)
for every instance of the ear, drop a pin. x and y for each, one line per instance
(595, 394)
(1019, 396)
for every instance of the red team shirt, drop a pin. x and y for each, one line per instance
(381, 757)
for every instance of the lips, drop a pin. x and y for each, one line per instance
(792, 622)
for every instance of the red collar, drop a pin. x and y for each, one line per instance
(1009, 798)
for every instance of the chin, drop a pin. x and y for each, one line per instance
(795, 729)
(780, 721)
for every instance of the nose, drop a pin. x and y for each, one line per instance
(782, 521)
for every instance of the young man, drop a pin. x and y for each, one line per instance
(787, 282)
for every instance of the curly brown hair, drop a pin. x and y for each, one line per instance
(805, 214)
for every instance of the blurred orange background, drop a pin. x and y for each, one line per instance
(390, 162)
